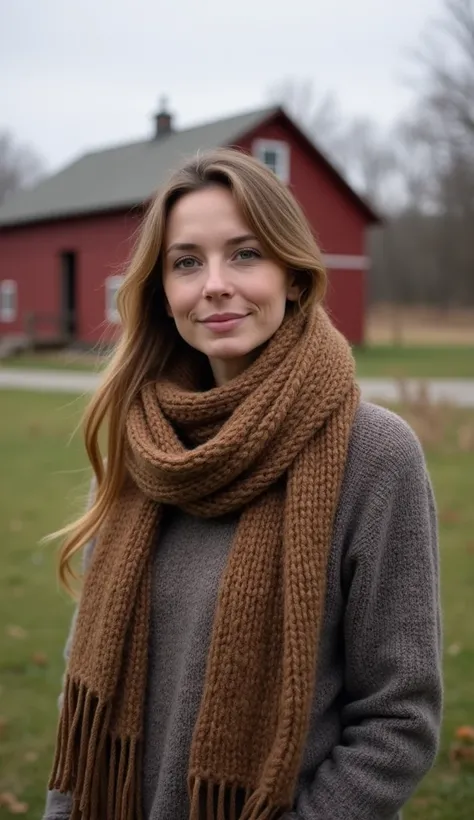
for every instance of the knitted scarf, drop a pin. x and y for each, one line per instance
(271, 443)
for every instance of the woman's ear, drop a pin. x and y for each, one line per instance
(293, 289)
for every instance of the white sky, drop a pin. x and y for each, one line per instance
(81, 74)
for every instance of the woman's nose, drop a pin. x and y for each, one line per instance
(217, 282)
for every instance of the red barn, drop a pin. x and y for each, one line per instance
(63, 243)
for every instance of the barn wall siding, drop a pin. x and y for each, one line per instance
(31, 254)
(338, 224)
(345, 302)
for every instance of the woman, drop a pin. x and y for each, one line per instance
(258, 633)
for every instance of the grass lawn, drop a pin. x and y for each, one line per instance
(376, 361)
(63, 360)
(385, 361)
(44, 482)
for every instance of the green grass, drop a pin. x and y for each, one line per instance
(62, 360)
(40, 477)
(385, 361)
(376, 361)
(44, 482)
(448, 793)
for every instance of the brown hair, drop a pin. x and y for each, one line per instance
(148, 334)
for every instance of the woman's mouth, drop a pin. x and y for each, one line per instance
(223, 322)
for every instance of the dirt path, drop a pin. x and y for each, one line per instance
(456, 391)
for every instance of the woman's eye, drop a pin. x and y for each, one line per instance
(246, 254)
(186, 263)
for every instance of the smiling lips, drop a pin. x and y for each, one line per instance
(221, 322)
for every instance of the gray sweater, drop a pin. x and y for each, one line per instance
(376, 710)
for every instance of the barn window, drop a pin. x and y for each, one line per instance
(112, 284)
(8, 300)
(275, 154)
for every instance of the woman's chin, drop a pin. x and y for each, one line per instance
(227, 349)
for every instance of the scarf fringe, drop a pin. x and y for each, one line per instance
(259, 807)
(107, 772)
(218, 801)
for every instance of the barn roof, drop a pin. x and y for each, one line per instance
(127, 175)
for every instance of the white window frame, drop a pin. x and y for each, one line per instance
(111, 286)
(282, 152)
(8, 300)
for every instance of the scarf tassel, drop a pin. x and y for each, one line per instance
(220, 801)
(103, 770)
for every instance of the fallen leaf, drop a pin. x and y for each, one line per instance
(454, 649)
(10, 802)
(39, 659)
(16, 632)
(466, 438)
(31, 757)
(465, 733)
(18, 808)
(461, 754)
(449, 516)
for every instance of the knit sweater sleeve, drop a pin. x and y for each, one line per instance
(392, 644)
(59, 805)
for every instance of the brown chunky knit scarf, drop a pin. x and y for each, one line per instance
(271, 443)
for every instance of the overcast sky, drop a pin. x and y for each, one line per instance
(81, 74)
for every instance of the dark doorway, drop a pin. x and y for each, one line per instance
(69, 293)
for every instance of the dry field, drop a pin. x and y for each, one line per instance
(392, 324)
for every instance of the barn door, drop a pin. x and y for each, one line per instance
(69, 294)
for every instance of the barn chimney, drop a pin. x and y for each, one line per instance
(163, 120)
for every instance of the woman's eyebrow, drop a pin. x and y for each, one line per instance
(193, 246)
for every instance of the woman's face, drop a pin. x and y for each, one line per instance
(226, 296)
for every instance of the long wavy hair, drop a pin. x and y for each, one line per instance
(148, 334)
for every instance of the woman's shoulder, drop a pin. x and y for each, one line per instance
(383, 442)
(385, 461)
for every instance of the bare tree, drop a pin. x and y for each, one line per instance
(426, 253)
(372, 163)
(320, 116)
(446, 63)
(358, 148)
(20, 165)
(421, 174)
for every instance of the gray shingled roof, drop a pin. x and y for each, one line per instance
(122, 176)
